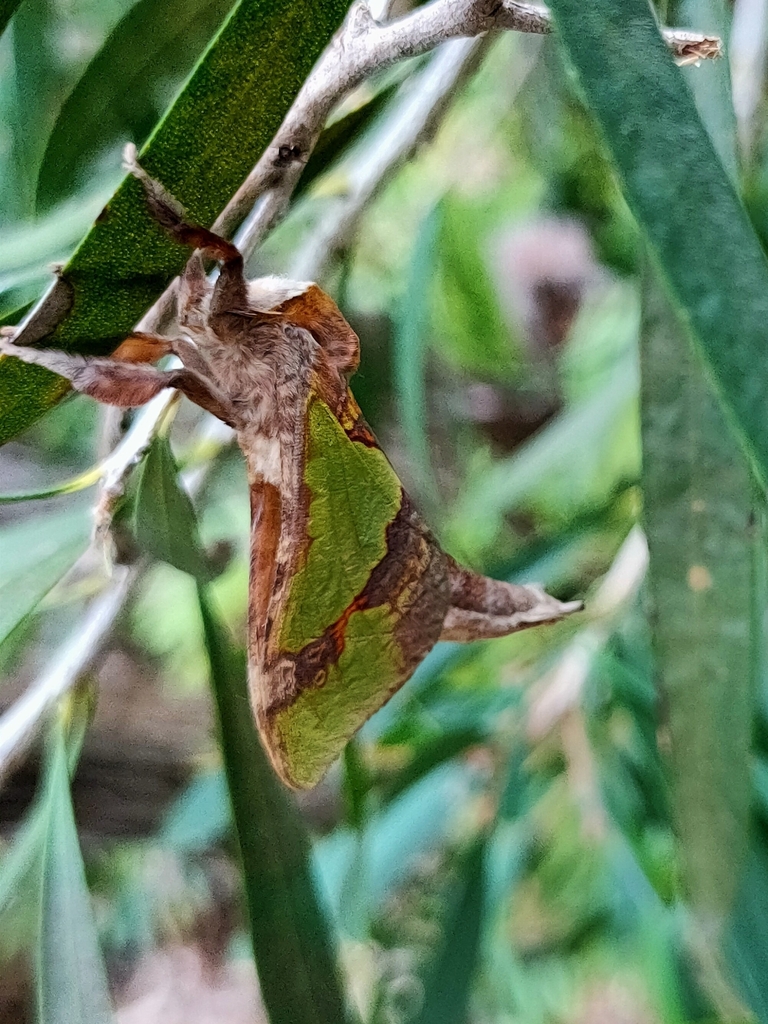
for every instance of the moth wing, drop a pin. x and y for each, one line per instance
(354, 605)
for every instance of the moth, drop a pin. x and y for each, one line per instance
(348, 588)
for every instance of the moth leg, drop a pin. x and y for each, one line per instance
(125, 384)
(192, 357)
(194, 294)
(148, 348)
(482, 608)
(230, 294)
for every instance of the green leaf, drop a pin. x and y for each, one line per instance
(448, 984)
(200, 816)
(746, 944)
(164, 520)
(76, 483)
(288, 929)
(21, 869)
(7, 9)
(698, 509)
(410, 352)
(39, 76)
(26, 393)
(202, 150)
(116, 98)
(30, 247)
(13, 316)
(20, 879)
(71, 980)
(682, 198)
(34, 555)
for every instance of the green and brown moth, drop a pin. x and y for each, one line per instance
(348, 588)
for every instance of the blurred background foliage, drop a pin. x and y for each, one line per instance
(569, 824)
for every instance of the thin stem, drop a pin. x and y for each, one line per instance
(19, 724)
(410, 124)
(362, 47)
(561, 690)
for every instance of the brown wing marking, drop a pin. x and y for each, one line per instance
(317, 313)
(266, 509)
(412, 579)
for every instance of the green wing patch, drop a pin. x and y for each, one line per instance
(355, 495)
(367, 602)
(314, 729)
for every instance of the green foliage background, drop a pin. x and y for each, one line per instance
(563, 825)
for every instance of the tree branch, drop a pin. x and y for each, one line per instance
(560, 691)
(20, 723)
(361, 47)
(116, 468)
(410, 123)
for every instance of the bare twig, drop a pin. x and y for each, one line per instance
(362, 47)
(20, 723)
(116, 468)
(410, 125)
(412, 122)
(748, 46)
(560, 691)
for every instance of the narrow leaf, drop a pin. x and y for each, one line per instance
(698, 508)
(410, 352)
(681, 196)
(76, 483)
(38, 79)
(448, 984)
(34, 555)
(26, 393)
(288, 928)
(746, 943)
(116, 97)
(71, 980)
(20, 879)
(164, 520)
(7, 9)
